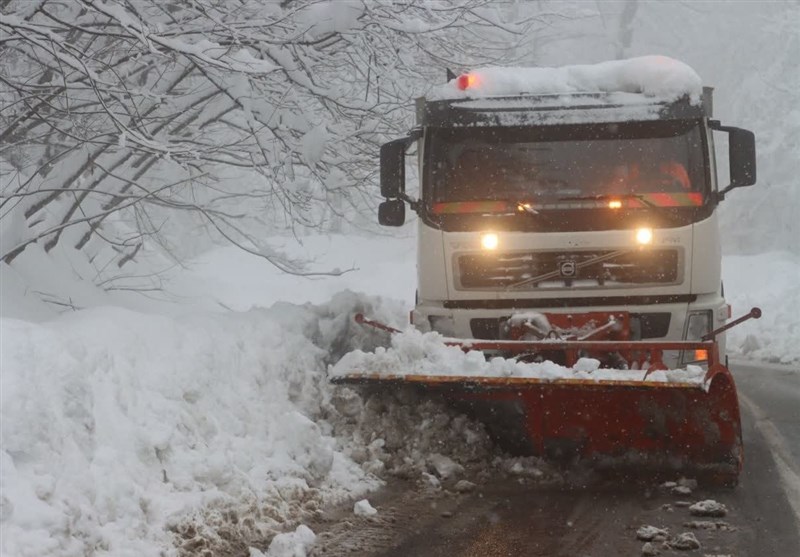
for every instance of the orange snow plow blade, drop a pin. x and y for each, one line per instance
(631, 423)
(615, 425)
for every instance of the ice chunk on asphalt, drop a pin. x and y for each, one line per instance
(649, 550)
(444, 466)
(292, 544)
(685, 542)
(464, 486)
(651, 533)
(709, 507)
(363, 508)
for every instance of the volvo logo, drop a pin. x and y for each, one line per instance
(568, 269)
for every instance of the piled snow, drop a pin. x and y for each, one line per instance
(654, 76)
(416, 353)
(117, 424)
(770, 281)
(132, 433)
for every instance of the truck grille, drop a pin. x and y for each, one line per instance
(585, 269)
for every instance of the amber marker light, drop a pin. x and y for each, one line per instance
(644, 236)
(489, 241)
(615, 204)
(700, 355)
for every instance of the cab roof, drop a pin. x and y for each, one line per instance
(644, 88)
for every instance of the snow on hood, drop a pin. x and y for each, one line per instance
(653, 76)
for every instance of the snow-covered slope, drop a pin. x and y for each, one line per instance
(770, 281)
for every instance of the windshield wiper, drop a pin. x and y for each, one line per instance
(609, 196)
(527, 208)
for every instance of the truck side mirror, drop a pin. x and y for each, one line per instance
(393, 168)
(742, 157)
(392, 212)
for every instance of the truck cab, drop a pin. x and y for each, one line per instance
(595, 211)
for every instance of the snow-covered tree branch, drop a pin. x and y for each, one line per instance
(121, 119)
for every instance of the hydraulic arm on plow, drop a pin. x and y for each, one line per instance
(630, 425)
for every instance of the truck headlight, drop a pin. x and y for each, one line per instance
(644, 236)
(489, 241)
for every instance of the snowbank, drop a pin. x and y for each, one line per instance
(416, 353)
(654, 76)
(115, 424)
(125, 433)
(770, 281)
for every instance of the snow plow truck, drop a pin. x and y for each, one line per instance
(571, 213)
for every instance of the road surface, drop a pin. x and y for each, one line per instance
(509, 519)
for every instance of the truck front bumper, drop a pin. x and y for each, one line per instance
(660, 321)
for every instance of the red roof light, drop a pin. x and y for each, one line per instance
(466, 80)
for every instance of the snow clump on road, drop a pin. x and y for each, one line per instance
(708, 507)
(290, 544)
(363, 508)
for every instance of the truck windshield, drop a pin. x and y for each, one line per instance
(558, 163)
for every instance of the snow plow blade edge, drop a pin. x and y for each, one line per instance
(619, 426)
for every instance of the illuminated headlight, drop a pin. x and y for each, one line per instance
(644, 236)
(443, 324)
(489, 241)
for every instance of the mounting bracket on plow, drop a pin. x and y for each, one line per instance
(634, 425)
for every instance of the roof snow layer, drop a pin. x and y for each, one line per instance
(654, 76)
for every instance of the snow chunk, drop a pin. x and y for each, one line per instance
(681, 490)
(709, 507)
(464, 486)
(445, 466)
(685, 542)
(651, 533)
(649, 550)
(416, 353)
(292, 544)
(363, 508)
(586, 364)
(654, 76)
